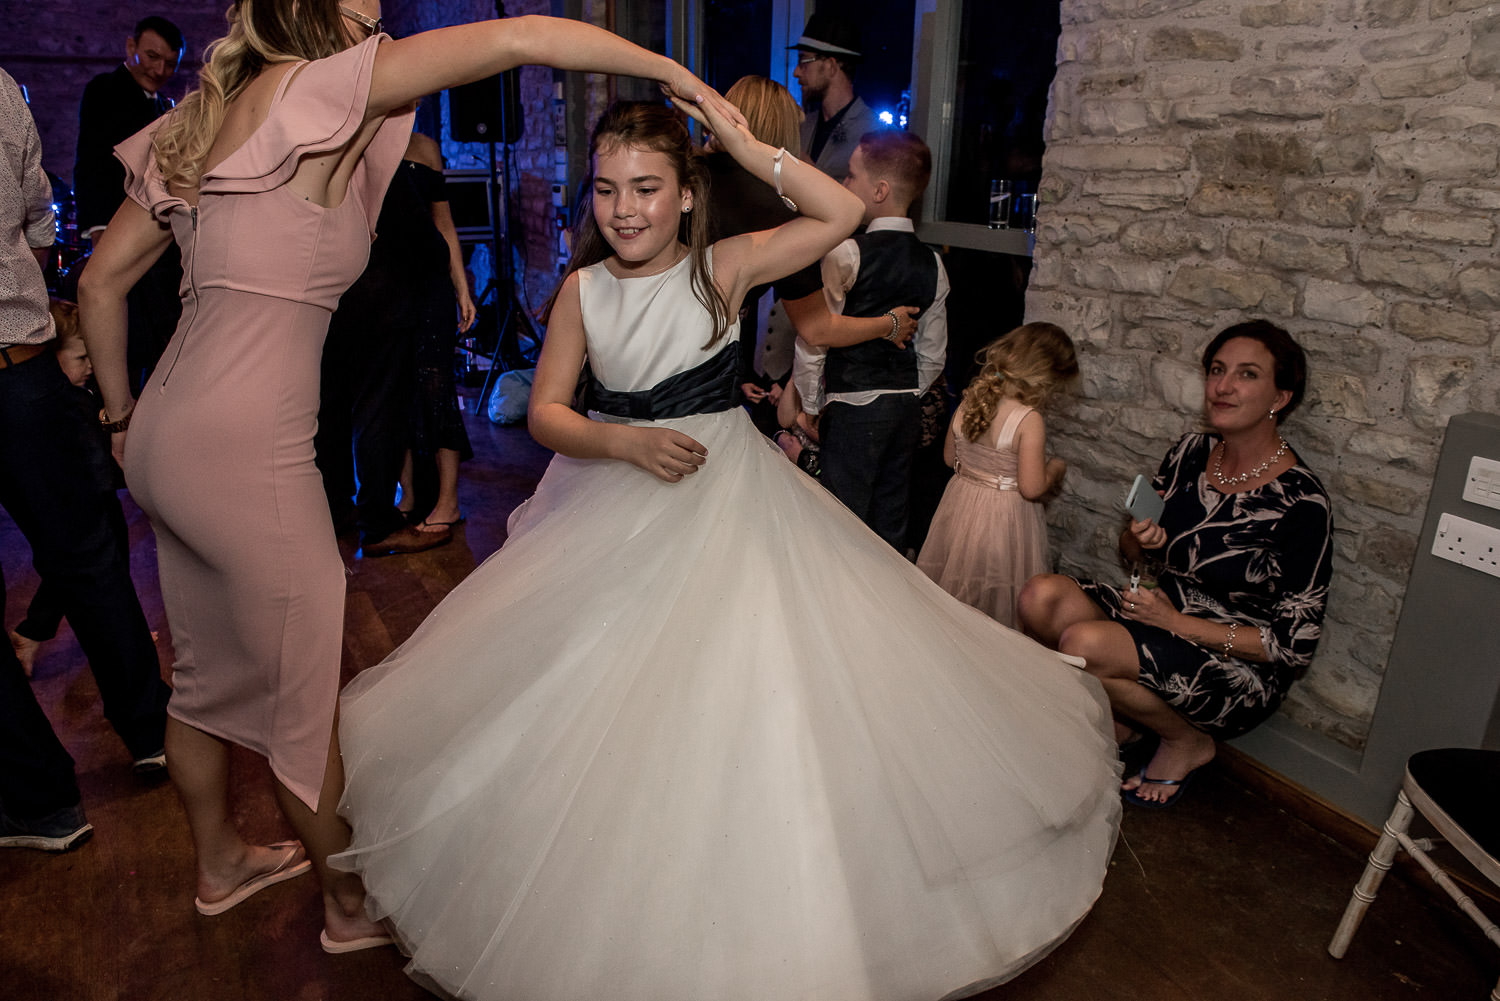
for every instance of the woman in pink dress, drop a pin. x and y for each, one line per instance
(270, 178)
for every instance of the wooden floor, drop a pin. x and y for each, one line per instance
(1224, 897)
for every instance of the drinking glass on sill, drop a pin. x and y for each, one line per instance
(999, 204)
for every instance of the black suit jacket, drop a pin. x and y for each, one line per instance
(113, 109)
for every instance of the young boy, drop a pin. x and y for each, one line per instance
(866, 395)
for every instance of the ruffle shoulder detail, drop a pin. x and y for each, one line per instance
(143, 180)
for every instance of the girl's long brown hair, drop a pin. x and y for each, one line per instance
(650, 126)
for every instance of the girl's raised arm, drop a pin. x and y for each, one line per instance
(830, 212)
(409, 68)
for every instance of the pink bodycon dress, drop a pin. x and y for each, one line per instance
(220, 449)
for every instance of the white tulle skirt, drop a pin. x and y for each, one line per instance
(712, 741)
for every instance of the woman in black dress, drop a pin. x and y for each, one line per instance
(1245, 545)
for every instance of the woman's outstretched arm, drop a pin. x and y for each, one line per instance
(410, 68)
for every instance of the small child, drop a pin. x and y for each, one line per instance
(867, 395)
(45, 614)
(72, 353)
(988, 537)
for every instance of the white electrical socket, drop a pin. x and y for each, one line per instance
(1467, 543)
(1482, 485)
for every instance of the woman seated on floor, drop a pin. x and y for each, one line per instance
(1243, 552)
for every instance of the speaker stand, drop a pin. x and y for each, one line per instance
(508, 306)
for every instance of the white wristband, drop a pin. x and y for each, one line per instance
(776, 177)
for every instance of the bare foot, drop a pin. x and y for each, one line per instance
(223, 880)
(26, 649)
(1174, 760)
(340, 925)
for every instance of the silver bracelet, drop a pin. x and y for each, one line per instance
(895, 326)
(776, 177)
(1229, 640)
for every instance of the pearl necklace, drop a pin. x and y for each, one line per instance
(1246, 477)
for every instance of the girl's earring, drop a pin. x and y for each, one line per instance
(1272, 414)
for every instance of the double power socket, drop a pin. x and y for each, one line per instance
(1468, 543)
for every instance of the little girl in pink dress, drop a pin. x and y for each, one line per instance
(989, 537)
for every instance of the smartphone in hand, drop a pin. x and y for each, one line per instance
(1143, 502)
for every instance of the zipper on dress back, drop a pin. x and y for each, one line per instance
(192, 260)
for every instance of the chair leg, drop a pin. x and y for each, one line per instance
(1375, 870)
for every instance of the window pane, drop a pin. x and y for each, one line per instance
(1007, 57)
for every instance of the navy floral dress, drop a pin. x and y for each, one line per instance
(1260, 558)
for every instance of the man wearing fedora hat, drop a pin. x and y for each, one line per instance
(829, 50)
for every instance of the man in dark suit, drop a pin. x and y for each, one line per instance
(116, 105)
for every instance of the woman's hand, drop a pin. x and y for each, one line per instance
(704, 103)
(1150, 607)
(1148, 533)
(666, 454)
(466, 310)
(117, 447)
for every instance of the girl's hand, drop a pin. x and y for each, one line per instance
(753, 393)
(1148, 533)
(723, 120)
(666, 454)
(702, 102)
(1055, 470)
(1151, 607)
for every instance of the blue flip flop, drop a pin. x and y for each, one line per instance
(1131, 796)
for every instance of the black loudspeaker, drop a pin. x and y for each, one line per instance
(486, 111)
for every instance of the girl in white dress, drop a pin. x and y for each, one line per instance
(695, 732)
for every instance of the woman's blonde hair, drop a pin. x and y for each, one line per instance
(261, 32)
(1028, 364)
(770, 111)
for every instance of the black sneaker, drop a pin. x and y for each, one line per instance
(57, 832)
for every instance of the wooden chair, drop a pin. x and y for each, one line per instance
(1458, 791)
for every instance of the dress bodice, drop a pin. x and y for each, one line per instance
(251, 233)
(640, 331)
(995, 466)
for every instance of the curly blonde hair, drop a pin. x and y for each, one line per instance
(261, 32)
(1028, 364)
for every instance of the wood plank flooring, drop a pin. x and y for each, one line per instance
(1223, 898)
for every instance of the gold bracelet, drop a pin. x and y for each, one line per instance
(115, 427)
(1229, 640)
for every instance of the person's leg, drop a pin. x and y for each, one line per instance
(38, 788)
(200, 773)
(56, 483)
(1050, 603)
(324, 833)
(445, 512)
(408, 500)
(382, 391)
(1112, 657)
(848, 456)
(896, 434)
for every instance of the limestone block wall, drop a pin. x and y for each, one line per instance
(1327, 164)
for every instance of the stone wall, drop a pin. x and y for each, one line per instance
(1327, 164)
